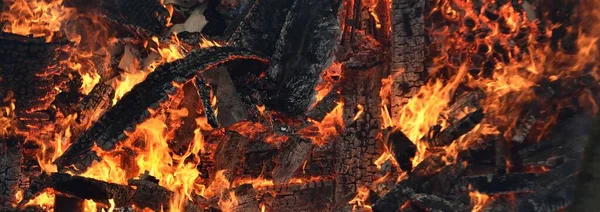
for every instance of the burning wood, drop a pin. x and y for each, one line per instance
(487, 104)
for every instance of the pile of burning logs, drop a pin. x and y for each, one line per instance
(272, 54)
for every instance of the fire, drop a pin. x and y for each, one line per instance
(321, 132)
(39, 18)
(44, 200)
(328, 79)
(478, 200)
(360, 198)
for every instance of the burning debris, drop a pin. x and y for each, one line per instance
(295, 105)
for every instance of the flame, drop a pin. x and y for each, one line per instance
(45, 200)
(478, 200)
(35, 17)
(329, 78)
(321, 132)
(360, 198)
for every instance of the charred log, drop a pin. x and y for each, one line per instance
(304, 49)
(99, 99)
(310, 196)
(132, 109)
(326, 105)
(402, 148)
(246, 199)
(461, 127)
(408, 50)
(291, 159)
(147, 15)
(500, 153)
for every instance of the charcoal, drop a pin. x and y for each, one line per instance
(429, 202)
(204, 94)
(99, 99)
(326, 105)
(304, 49)
(231, 108)
(225, 16)
(408, 51)
(132, 109)
(313, 195)
(394, 198)
(461, 127)
(261, 26)
(291, 158)
(402, 148)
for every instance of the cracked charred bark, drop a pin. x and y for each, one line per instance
(408, 51)
(132, 109)
(359, 146)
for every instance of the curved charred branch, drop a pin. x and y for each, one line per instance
(262, 25)
(305, 47)
(408, 50)
(204, 93)
(133, 108)
(461, 127)
(291, 158)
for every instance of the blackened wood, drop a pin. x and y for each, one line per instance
(229, 103)
(230, 153)
(495, 184)
(148, 194)
(500, 153)
(31, 69)
(402, 148)
(291, 158)
(360, 144)
(11, 159)
(461, 127)
(92, 105)
(408, 51)
(314, 195)
(554, 198)
(87, 188)
(185, 134)
(394, 198)
(204, 94)
(67, 204)
(326, 105)
(132, 109)
(304, 49)
(147, 14)
(246, 199)
(430, 202)
(261, 27)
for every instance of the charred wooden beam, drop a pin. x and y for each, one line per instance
(402, 148)
(430, 202)
(262, 25)
(326, 105)
(467, 100)
(204, 94)
(496, 184)
(11, 159)
(132, 109)
(230, 153)
(148, 194)
(291, 158)
(553, 198)
(304, 49)
(361, 143)
(408, 50)
(461, 127)
(392, 200)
